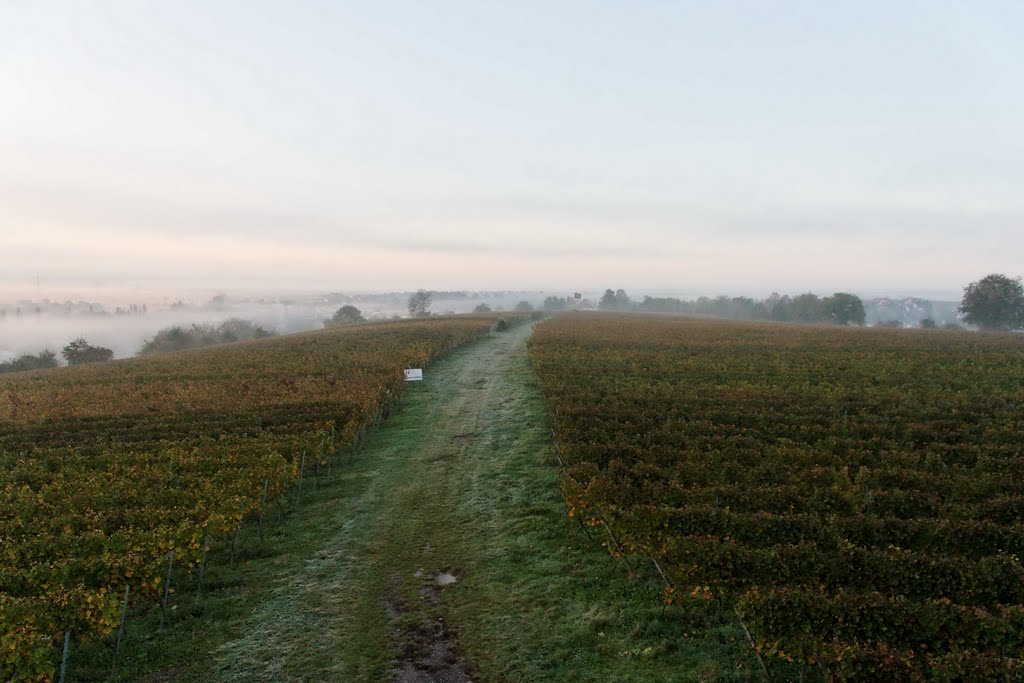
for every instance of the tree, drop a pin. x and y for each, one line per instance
(927, 323)
(236, 329)
(806, 308)
(614, 301)
(419, 304)
(346, 315)
(80, 351)
(524, 307)
(554, 303)
(663, 304)
(781, 307)
(844, 309)
(46, 359)
(175, 338)
(995, 302)
(482, 308)
(178, 338)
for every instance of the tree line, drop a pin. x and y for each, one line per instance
(176, 338)
(180, 338)
(993, 303)
(841, 308)
(77, 352)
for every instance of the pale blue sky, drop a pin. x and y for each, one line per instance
(704, 147)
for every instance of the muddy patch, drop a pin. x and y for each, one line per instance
(425, 647)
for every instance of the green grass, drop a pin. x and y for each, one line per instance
(461, 479)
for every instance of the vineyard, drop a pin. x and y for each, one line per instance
(853, 497)
(115, 475)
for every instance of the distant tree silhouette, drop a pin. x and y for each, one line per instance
(346, 315)
(419, 304)
(615, 301)
(80, 351)
(45, 359)
(807, 308)
(554, 303)
(995, 302)
(844, 309)
(178, 338)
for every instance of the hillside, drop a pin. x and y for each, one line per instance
(113, 474)
(631, 498)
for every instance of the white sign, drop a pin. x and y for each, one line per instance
(414, 375)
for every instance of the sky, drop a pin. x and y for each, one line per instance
(726, 147)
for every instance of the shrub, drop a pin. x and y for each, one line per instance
(80, 351)
(45, 359)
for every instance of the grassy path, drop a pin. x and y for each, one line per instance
(442, 553)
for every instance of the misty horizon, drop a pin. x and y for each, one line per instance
(124, 319)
